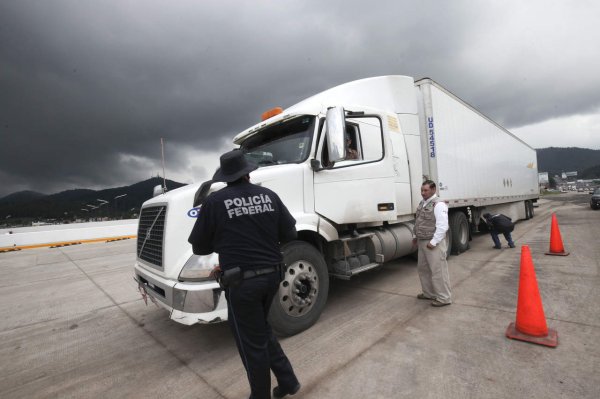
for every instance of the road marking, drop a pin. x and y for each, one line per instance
(64, 243)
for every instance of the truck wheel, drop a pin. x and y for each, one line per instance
(302, 293)
(527, 211)
(459, 227)
(531, 211)
(448, 243)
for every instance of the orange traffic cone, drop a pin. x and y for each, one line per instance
(556, 244)
(531, 321)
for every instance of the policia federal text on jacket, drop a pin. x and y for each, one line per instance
(245, 225)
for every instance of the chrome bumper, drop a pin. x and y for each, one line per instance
(188, 303)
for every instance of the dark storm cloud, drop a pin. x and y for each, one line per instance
(83, 84)
(88, 88)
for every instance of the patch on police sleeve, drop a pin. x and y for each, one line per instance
(194, 212)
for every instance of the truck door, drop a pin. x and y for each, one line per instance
(359, 189)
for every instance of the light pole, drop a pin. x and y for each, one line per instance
(117, 204)
(100, 206)
(102, 203)
(92, 208)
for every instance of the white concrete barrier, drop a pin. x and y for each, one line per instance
(23, 236)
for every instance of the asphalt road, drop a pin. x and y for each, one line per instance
(73, 325)
(571, 197)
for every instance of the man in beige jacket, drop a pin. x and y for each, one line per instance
(431, 224)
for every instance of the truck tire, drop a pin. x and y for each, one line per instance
(302, 293)
(448, 243)
(531, 211)
(459, 227)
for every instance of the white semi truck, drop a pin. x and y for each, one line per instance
(352, 215)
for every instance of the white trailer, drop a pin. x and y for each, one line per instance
(403, 132)
(475, 162)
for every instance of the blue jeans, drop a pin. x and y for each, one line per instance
(496, 240)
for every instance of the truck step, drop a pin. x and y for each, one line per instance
(353, 272)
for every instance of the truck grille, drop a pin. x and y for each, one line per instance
(150, 234)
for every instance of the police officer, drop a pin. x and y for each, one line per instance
(245, 224)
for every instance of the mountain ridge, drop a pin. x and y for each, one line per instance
(20, 196)
(555, 160)
(70, 204)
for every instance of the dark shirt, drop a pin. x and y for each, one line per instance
(500, 223)
(243, 223)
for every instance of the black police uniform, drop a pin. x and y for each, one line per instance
(244, 223)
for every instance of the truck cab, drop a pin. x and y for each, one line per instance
(336, 201)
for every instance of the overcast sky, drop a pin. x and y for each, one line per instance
(88, 88)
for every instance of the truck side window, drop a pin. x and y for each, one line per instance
(364, 142)
(369, 138)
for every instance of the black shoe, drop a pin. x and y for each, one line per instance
(511, 245)
(280, 392)
(495, 247)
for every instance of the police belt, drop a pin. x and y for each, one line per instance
(234, 275)
(258, 272)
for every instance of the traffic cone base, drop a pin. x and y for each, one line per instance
(558, 253)
(550, 340)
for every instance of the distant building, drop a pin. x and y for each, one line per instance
(571, 176)
(543, 180)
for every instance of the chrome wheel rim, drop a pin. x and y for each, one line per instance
(298, 290)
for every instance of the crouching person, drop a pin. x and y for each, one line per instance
(500, 224)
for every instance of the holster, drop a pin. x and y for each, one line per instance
(230, 277)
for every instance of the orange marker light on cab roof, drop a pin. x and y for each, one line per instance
(270, 113)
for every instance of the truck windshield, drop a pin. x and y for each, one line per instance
(285, 142)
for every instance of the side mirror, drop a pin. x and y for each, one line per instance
(315, 165)
(336, 132)
(202, 193)
(158, 190)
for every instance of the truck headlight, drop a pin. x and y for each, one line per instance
(198, 267)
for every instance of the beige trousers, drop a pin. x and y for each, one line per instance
(433, 271)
